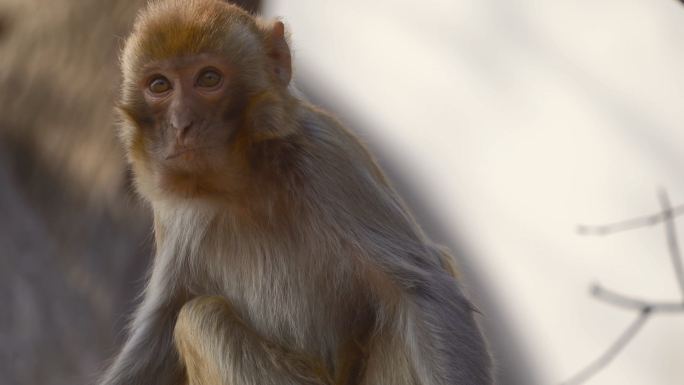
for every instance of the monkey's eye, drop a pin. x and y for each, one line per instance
(208, 79)
(159, 85)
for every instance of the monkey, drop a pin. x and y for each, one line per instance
(283, 253)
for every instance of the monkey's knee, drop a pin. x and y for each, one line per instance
(199, 317)
(196, 336)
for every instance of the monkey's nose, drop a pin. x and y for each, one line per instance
(183, 129)
(181, 119)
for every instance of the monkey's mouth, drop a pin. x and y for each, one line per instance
(187, 153)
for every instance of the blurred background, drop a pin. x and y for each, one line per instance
(504, 123)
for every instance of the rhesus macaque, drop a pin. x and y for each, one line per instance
(283, 254)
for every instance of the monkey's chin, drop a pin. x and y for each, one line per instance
(185, 184)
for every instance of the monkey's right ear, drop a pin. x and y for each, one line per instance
(279, 53)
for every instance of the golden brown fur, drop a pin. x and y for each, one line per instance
(283, 256)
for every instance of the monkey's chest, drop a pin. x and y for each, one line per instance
(302, 303)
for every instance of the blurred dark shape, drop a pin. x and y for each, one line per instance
(3, 26)
(72, 239)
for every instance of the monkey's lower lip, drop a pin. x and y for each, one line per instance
(186, 152)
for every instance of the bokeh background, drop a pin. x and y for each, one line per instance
(504, 123)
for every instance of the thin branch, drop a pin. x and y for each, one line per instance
(629, 224)
(621, 300)
(645, 308)
(672, 245)
(612, 352)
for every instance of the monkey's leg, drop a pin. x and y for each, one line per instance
(217, 348)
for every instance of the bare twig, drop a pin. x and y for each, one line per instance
(612, 352)
(645, 308)
(629, 224)
(621, 300)
(671, 234)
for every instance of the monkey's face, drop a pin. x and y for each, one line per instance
(202, 83)
(193, 108)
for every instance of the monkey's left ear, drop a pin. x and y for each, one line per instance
(279, 53)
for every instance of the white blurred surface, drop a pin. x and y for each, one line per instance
(519, 120)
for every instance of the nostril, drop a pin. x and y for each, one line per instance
(183, 130)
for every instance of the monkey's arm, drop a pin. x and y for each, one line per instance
(428, 335)
(148, 356)
(218, 348)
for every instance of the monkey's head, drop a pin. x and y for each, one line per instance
(203, 81)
